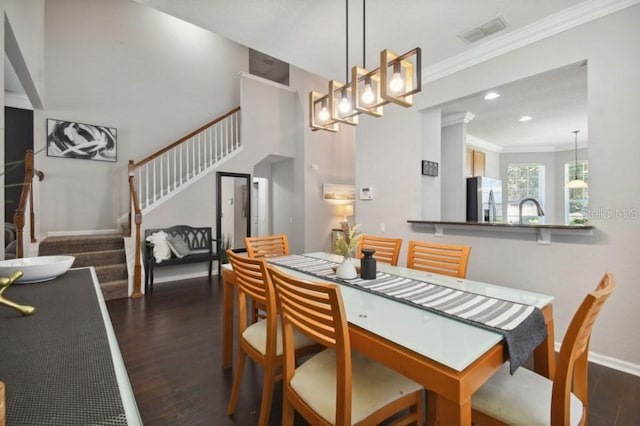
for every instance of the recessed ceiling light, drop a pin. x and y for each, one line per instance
(526, 118)
(491, 95)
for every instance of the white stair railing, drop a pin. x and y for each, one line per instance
(167, 172)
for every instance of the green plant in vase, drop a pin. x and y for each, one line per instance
(347, 241)
(345, 245)
(225, 243)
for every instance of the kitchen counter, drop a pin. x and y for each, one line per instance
(62, 364)
(543, 232)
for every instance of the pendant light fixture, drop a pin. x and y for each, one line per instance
(340, 93)
(396, 80)
(366, 84)
(576, 183)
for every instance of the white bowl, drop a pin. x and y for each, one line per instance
(36, 269)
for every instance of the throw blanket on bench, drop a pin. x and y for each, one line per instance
(522, 326)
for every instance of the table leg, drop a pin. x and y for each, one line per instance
(544, 356)
(446, 413)
(228, 280)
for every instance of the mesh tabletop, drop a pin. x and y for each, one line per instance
(57, 364)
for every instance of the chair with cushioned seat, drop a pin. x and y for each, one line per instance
(527, 398)
(267, 246)
(338, 386)
(442, 259)
(387, 250)
(260, 340)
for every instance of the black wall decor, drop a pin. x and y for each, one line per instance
(429, 168)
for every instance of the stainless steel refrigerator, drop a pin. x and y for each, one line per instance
(484, 200)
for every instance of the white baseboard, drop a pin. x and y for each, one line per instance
(180, 277)
(607, 361)
(79, 233)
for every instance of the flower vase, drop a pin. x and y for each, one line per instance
(346, 270)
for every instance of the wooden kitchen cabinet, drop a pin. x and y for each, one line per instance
(475, 163)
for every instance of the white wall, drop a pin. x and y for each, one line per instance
(432, 151)
(388, 154)
(570, 266)
(27, 22)
(321, 157)
(454, 145)
(120, 64)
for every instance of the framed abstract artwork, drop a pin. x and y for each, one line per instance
(69, 139)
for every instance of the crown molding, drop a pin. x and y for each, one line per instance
(483, 144)
(566, 19)
(542, 148)
(458, 118)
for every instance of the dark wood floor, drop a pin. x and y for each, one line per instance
(170, 342)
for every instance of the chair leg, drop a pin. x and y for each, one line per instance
(267, 395)
(237, 380)
(287, 411)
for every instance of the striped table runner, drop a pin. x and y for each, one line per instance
(523, 326)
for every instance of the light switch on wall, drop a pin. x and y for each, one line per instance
(383, 227)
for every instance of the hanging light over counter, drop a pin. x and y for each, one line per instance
(576, 183)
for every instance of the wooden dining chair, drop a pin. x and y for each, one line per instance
(267, 246)
(387, 250)
(262, 340)
(338, 386)
(527, 398)
(438, 258)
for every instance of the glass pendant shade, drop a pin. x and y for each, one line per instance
(577, 184)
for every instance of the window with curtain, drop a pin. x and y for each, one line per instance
(576, 200)
(524, 181)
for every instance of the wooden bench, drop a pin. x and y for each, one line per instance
(201, 246)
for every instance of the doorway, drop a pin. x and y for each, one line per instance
(233, 210)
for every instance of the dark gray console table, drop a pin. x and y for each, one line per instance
(62, 365)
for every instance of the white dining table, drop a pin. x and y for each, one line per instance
(451, 358)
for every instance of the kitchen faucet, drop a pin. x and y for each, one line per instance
(492, 207)
(534, 201)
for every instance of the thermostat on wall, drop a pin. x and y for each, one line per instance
(366, 193)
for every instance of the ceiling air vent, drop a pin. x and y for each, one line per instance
(486, 29)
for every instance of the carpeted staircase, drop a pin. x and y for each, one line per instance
(105, 253)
